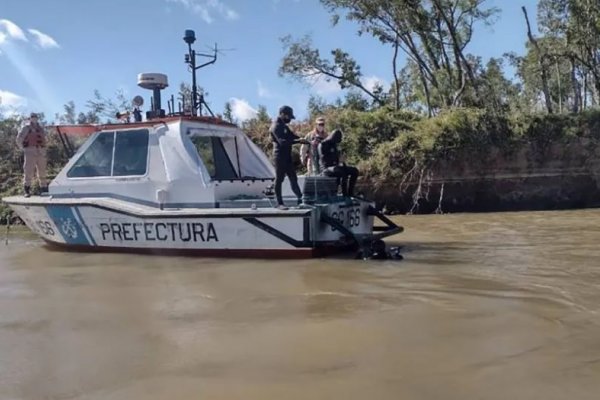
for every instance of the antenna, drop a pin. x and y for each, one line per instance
(220, 51)
(190, 59)
(137, 102)
(154, 82)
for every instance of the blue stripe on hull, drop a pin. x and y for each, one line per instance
(87, 231)
(64, 219)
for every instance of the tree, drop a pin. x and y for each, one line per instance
(542, 58)
(571, 29)
(304, 63)
(354, 101)
(185, 98)
(432, 33)
(257, 127)
(317, 106)
(583, 33)
(71, 116)
(108, 107)
(228, 113)
(262, 116)
(498, 93)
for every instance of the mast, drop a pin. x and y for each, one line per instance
(190, 59)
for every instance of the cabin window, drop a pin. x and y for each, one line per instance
(215, 158)
(125, 156)
(131, 153)
(97, 158)
(203, 146)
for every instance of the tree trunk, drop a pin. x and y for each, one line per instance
(559, 86)
(596, 85)
(542, 63)
(445, 58)
(585, 91)
(460, 59)
(575, 87)
(396, 79)
(427, 94)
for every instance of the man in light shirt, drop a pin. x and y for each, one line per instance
(32, 139)
(309, 152)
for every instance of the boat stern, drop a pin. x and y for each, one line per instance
(352, 221)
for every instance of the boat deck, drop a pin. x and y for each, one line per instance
(142, 210)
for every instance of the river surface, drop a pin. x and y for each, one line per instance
(484, 306)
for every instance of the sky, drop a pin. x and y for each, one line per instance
(56, 51)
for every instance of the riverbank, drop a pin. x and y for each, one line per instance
(471, 161)
(564, 175)
(463, 160)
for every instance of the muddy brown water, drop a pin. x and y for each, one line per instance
(484, 306)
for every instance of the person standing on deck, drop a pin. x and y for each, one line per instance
(309, 152)
(283, 139)
(32, 139)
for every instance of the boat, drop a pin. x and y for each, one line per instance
(182, 183)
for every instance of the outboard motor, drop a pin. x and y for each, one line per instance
(376, 250)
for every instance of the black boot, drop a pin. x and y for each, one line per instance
(26, 190)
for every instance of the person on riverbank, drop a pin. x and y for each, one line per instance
(332, 163)
(283, 140)
(32, 140)
(309, 151)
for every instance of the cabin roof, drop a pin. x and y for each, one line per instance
(84, 129)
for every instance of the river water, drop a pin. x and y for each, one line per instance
(484, 306)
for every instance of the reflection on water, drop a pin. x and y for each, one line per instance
(489, 306)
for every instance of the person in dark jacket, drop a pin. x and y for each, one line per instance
(329, 156)
(283, 139)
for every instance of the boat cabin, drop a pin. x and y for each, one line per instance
(181, 161)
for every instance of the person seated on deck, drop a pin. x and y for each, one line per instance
(332, 164)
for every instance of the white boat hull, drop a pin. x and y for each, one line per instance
(116, 225)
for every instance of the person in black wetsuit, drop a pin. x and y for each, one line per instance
(283, 139)
(331, 164)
